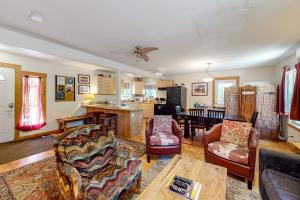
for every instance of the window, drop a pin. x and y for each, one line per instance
(219, 85)
(151, 90)
(126, 92)
(33, 112)
(289, 89)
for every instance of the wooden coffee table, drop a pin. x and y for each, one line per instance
(212, 178)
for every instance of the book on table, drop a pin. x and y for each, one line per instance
(184, 187)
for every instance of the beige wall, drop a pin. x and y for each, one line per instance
(54, 109)
(246, 75)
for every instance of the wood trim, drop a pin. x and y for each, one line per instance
(237, 78)
(18, 92)
(293, 126)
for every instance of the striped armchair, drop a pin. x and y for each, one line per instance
(91, 165)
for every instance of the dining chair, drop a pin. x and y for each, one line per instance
(253, 118)
(179, 119)
(197, 120)
(214, 117)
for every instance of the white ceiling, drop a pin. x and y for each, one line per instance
(228, 33)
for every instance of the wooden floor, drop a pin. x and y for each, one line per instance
(193, 151)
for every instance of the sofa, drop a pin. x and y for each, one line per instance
(91, 165)
(279, 175)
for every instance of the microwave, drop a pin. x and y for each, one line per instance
(138, 99)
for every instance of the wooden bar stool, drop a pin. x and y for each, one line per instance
(94, 117)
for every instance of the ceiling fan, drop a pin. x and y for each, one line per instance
(139, 52)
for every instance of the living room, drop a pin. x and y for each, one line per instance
(195, 100)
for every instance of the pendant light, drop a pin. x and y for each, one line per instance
(209, 76)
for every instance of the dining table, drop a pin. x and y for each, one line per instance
(187, 117)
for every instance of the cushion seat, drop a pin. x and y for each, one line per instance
(280, 186)
(162, 139)
(102, 185)
(230, 151)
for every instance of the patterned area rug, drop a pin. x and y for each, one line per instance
(39, 181)
(139, 149)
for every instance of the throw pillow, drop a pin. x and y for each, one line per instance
(162, 124)
(235, 132)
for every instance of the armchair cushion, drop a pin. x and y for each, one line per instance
(230, 151)
(162, 124)
(236, 132)
(160, 139)
(279, 185)
(111, 181)
(87, 149)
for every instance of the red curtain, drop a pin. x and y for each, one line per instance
(281, 103)
(32, 116)
(295, 106)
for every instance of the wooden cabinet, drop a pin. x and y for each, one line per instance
(106, 85)
(232, 96)
(164, 83)
(248, 101)
(138, 88)
(148, 110)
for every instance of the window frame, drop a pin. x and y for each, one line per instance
(43, 77)
(236, 78)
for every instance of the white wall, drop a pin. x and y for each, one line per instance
(54, 109)
(246, 75)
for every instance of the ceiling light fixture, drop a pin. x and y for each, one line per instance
(209, 76)
(157, 73)
(36, 17)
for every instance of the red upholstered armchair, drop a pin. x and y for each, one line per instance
(239, 160)
(163, 143)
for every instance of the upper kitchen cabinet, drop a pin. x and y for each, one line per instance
(162, 84)
(106, 85)
(138, 88)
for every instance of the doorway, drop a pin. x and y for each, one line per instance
(10, 98)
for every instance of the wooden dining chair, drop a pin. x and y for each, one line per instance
(253, 118)
(179, 119)
(214, 117)
(197, 120)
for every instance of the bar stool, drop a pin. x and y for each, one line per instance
(109, 121)
(94, 117)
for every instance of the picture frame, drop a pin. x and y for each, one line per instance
(199, 89)
(64, 88)
(83, 89)
(84, 79)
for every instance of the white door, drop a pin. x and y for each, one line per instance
(7, 104)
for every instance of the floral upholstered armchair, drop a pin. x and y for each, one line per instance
(163, 136)
(91, 165)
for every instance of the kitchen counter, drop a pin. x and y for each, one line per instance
(130, 118)
(113, 107)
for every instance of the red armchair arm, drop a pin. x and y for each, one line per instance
(213, 134)
(148, 131)
(177, 131)
(253, 144)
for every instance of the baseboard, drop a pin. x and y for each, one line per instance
(37, 135)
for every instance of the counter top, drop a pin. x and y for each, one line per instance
(113, 107)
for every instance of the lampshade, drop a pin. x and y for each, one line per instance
(90, 96)
(2, 77)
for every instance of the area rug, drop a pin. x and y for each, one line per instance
(139, 149)
(39, 181)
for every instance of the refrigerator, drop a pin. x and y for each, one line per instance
(176, 96)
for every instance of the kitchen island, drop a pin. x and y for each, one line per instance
(130, 119)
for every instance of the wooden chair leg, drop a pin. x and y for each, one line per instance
(249, 184)
(138, 184)
(148, 158)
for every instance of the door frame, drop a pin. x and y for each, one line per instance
(18, 93)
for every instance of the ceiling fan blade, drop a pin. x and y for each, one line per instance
(145, 57)
(147, 50)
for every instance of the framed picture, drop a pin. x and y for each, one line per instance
(64, 88)
(199, 89)
(83, 89)
(83, 79)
